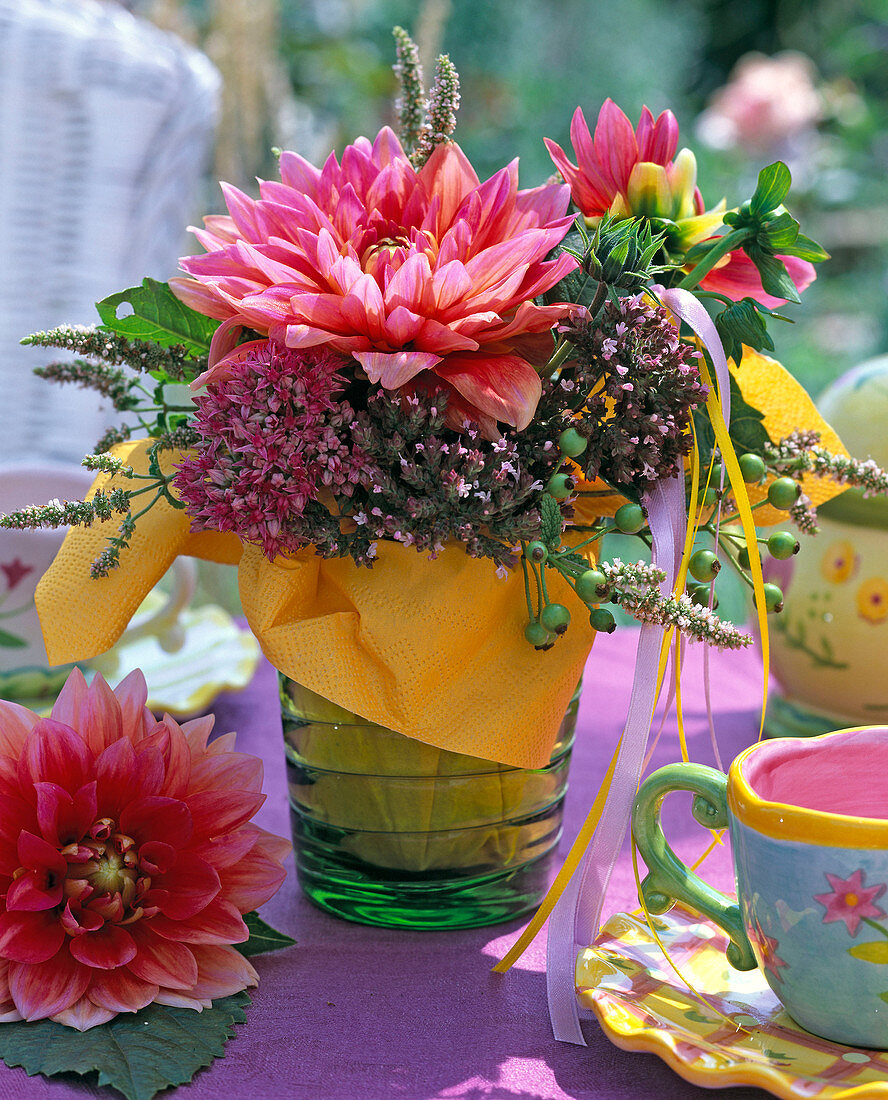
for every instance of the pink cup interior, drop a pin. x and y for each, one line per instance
(840, 773)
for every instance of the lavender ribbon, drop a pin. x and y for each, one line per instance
(575, 918)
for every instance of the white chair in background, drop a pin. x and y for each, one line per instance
(106, 125)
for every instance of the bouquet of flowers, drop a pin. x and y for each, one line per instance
(410, 404)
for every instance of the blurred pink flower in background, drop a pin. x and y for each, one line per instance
(424, 277)
(127, 858)
(767, 102)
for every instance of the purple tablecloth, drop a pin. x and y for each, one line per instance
(357, 1013)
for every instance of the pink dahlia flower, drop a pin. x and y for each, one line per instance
(126, 858)
(421, 276)
(626, 172)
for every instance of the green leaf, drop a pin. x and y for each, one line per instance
(158, 316)
(772, 188)
(780, 232)
(742, 323)
(10, 641)
(806, 249)
(775, 278)
(746, 429)
(139, 1055)
(550, 519)
(262, 936)
(874, 952)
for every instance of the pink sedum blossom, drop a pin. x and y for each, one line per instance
(630, 171)
(127, 858)
(424, 277)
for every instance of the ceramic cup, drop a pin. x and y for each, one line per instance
(808, 822)
(24, 558)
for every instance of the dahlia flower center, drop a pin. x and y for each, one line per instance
(385, 249)
(106, 880)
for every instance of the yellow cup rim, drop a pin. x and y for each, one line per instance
(783, 821)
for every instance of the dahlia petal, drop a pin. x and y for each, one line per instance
(402, 326)
(296, 172)
(219, 811)
(163, 962)
(30, 937)
(83, 1015)
(179, 1000)
(34, 891)
(198, 297)
(108, 947)
(393, 369)
(16, 722)
(120, 990)
(237, 770)
(390, 192)
(450, 283)
(34, 852)
(615, 145)
(387, 148)
(739, 278)
(223, 851)
(100, 722)
(54, 753)
(657, 140)
(132, 694)
(219, 922)
(363, 308)
(539, 206)
(115, 776)
(274, 846)
(170, 742)
(186, 888)
(155, 857)
(411, 285)
(648, 191)
(503, 386)
(158, 818)
(222, 971)
(243, 212)
(197, 733)
(64, 819)
(448, 174)
(253, 881)
(41, 989)
(71, 698)
(582, 194)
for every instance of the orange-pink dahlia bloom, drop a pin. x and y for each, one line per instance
(127, 858)
(629, 171)
(426, 277)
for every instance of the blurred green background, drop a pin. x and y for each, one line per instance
(313, 74)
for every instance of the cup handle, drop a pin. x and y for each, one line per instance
(668, 879)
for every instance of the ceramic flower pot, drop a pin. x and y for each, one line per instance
(830, 644)
(390, 831)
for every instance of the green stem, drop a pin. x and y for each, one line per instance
(874, 924)
(530, 614)
(561, 353)
(726, 244)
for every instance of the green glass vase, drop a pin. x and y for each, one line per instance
(390, 831)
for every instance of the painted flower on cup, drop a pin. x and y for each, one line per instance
(840, 562)
(631, 171)
(872, 600)
(428, 278)
(849, 900)
(767, 949)
(127, 858)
